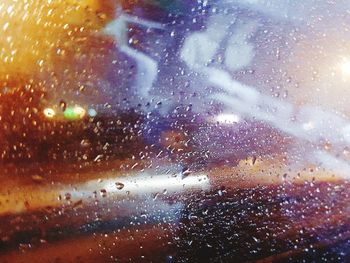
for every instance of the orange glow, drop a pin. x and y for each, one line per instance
(33, 30)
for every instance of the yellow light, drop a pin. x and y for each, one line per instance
(49, 113)
(79, 111)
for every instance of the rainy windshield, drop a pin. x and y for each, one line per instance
(174, 131)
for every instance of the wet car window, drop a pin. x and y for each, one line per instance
(174, 131)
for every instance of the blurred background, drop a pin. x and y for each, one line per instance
(174, 131)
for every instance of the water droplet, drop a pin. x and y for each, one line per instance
(37, 178)
(103, 192)
(67, 196)
(119, 185)
(185, 172)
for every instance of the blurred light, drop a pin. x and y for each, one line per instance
(92, 112)
(49, 113)
(308, 126)
(346, 133)
(74, 113)
(345, 67)
(226, 118)
(79, 111)
(148, 183)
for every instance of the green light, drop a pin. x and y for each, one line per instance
(74, 113)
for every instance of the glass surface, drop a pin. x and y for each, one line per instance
(174, 131)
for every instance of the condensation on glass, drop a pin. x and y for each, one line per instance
(174, 131)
